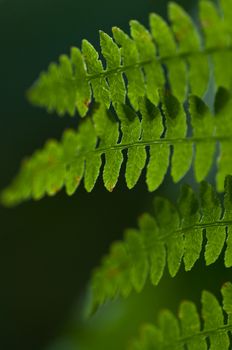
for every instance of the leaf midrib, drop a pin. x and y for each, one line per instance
(139, 143)
(162, 60)
(202, 334)
(197, 226)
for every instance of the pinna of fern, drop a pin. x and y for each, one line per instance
(188, 332)
(172, 235)
(136, 65)
(149, 139)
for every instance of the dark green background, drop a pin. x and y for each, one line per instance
(47, 249)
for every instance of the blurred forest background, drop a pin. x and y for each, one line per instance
(48, 248)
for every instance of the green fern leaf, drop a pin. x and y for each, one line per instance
(150, 135)
(176, 67)
(173, 235)
(188, 40)
(215, 32)
(187, 331)
(140, 60)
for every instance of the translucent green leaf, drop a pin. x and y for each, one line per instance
(92, 160)
(215, 32)
(154, 247)
(147, 53)
(170, 329)
(56, 89)
(213, 318)
(190, 325)
(158, 165)
(151, 338)
(169, 221)
(189, 41)
(83, 91)
(227, 300)
(112, 55)
(136, 156)
(152, 128)
(65, 73)
(184, 29)
(95, 69)
(75, 170)
(227, 217)
(203, 126)
(212, 211)
(226, 6)
(176, 67)
(223, 115)
(130, 57)
(189, 210)
(177, 129)
(107, 130)
(138, 255)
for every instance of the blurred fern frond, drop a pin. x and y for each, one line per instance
(170, 236)
(187, 332)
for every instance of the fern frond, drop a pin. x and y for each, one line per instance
(142, 60)
(170, 236)
(147, 136)
(190, 331)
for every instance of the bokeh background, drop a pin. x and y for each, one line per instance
(48, 248)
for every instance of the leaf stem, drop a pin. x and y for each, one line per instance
(161, 141)
(160, 60)
(197, 226)
(202, 334)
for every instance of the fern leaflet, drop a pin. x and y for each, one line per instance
(171, 236)
(186, 332)
(141, 59)
(144, 136)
